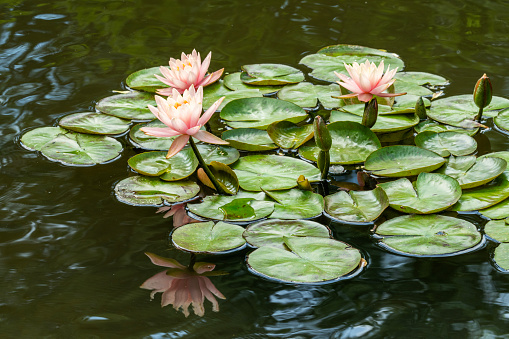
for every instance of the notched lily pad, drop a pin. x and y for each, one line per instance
(356, 206)
(144, 141)
(435, 126)
(145, 80)
(217, 90)
(94, 123)
(471, 172)
(286, 134)
(296, 204)
(233, 82)
(446, 143)
(178, 167)
(249, 139)
(270, 74)
(484, 196)
(132, 106)
(384, 123)
(307, 95)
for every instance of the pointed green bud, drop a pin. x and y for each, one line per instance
(322, 136)
(370, 113)
(483, 92)
(420, 109)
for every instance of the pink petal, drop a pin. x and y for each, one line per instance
(164, 262)
(208, 114)
(164, 91)
(211, 78)
(192, 131)
(165, 81)
(205, 65)
(365, 97)
(179, 125)
(209, 138)
(159, 131)
(177, 145)
(351, 87)
(390, 94)
(159, 282)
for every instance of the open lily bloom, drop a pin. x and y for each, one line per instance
(182, 116)
(186, 72)
(182, 287)
(367, 80)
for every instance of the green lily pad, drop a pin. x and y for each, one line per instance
(144, 141)
(351, 144)
(260, 112)
(428, 235)
(208, 237)
(460, 110)
(484, 196)
(471, 172)
(270, 74)
(308, 260)
(132, 106)
(273, 232)
(307, 95)
(71, 148)
(226, 178)
(501, 154)
(286, 134)
(272, 172)
(249, 139)
(356, 206)
(502, 120)
(94, 123)
(497, 211)
(178, 167)
(402, 161)
(296, 204)
(497, 230)
(446, 143)
(384, 123)
(431, 193)
(232, 81)
(435, 126)
(421, 78)
(217, 90)
(223, 154)
(501, 256)
(395, 136)
(145, 80)
(403, 105)
(150, 191)
(245, 206)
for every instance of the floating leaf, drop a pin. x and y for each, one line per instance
(484, 196)
(260, 112)
(471, 172)
(497, 211)
(145, 80)
(37, 138)
(208, 237)
(308, 260)
(428, 235)
(249, 139)
(434, 126)
(296, 204)
(501, 256)
(94, 123)
(178, 167)
(273, 232)
(131, 106)
(421, 78)
(150, 191)
(351, 144)
(224, 154)
(307, 95)
(384, 123)
(227, 179)
(356, 206)
(272, 172)
(502, 120)
(286, 134)
(217, 90)
(148, 142)
(401, 160)
(402, 106)
(431, 193)
(446, 143)
(270, 74)
(497, 230)
(232, 81)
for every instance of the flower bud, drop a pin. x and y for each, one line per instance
(303, 184)
(322, 136)
(323, 163)
(420, 108)
(370, 113)
(483, 92)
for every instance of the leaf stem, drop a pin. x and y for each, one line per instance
(206, 168)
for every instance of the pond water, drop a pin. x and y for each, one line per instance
(72, 257)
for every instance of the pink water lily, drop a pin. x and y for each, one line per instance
(367, 80)
(183, 287)
(182, 116)
(186, 72)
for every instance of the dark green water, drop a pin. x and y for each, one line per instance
(71, 255)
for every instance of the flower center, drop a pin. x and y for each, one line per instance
(178, 104)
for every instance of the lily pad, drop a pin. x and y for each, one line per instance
(384, 123)
(446, 143)
(352, 143)
(421, 78)
(232, 81)
(94, 123)
(502, 120)
(178, 167)
(308, 260)
(270, 74)
(356, 206)
(273, 232)
(150, 191)
(217, 90)
(435, 126)
(497, 230)
(226, 178)
(208, 237)
(141, 140)
(501, 256)
(484, 196)
(245, 206)
(402, 161)
(145, 80)
(272, 172)
(296, 204)
(37, 138)
(286, 134)
(428, 235)
(403, 105)
(132, 106)
(501, 154)
(471, 172)
(223, 154)
(431, 193)
(260, 112)
(497, 211)
(249, 139)
(307, 95)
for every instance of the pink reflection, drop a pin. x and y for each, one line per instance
(179, 214)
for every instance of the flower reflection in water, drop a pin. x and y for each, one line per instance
(182, 286)
(178, 211)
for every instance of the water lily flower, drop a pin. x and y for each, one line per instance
(178, 211)
(181, 115)
(367, 80)
(183, 287)
(186, 72)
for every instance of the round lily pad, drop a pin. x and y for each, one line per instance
(435, 126)
(502, 120)
(356, 206)
(421, 78)
(471, 172)
(270, 74)
(402, 161)
(403, 105)
(223, 154)
(132, 106)
(384, 123)
(150, 191)
(260, 112)
(37, 138)
(273, 232)
(497, 211)
(94, 123)
(351, 144)
(249, 139)
(286, 134)
(428, 235)
(232, 81)
(497, 230)
(148, 142)
(217, 90)
(272, 172)
(178, 167)
(145, 80)
(208, 237)
(296, 204)
(446, 143)
(484, 196)
(431, 193)
(307, 95)
(501, 256)
(307, 260)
